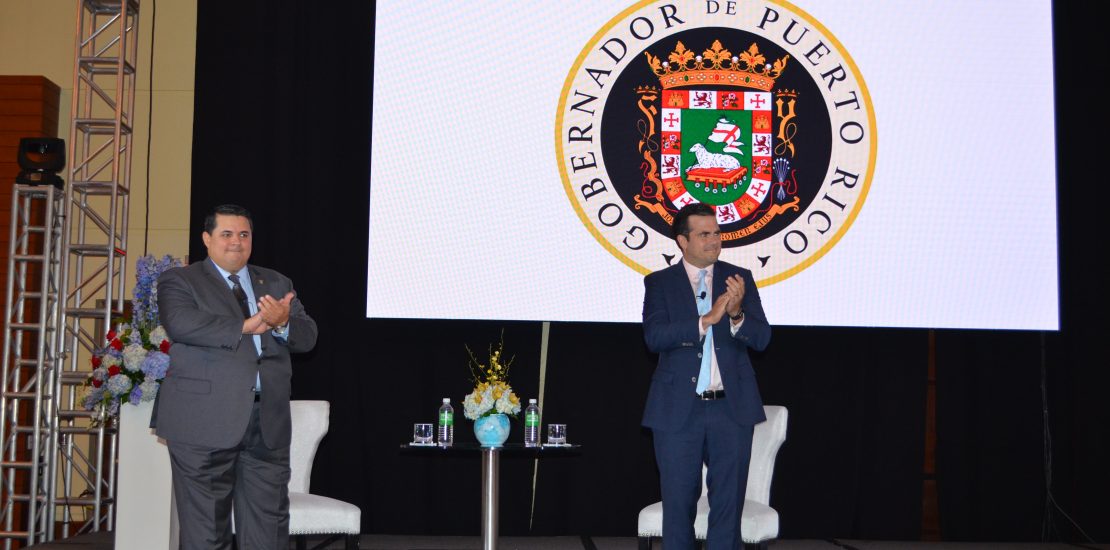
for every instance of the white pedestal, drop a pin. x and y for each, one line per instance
(145, 516)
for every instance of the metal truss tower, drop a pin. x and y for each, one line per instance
(93, 270)
(29, 362)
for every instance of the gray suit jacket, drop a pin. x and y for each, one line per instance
(207, 395)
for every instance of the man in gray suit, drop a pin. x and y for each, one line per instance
(223, 407)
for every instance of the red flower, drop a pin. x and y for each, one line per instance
(97, 383)
(111, 335)
(117, 344)
(164, 347)
(96, 361)
(113, 370)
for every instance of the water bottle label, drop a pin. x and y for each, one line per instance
(446, 418)
(532, 420)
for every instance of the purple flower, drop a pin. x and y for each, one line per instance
(145, 302)
(136, 394)
(150, 390)
(155, 365)
(118, 385)
(93, 398)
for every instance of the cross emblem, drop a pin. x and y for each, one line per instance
(758, 189)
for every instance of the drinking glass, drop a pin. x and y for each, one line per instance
(556, 434)
(422, 434)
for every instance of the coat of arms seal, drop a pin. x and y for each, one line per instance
(754, 108)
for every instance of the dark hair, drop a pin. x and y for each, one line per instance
(226, 210)
(681, 224)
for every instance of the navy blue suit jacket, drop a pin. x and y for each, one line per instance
(671, 330)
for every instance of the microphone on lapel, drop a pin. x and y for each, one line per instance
(702, 295)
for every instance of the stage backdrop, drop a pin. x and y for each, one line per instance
(283, 119)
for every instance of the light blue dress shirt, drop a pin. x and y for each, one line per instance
(252, 301)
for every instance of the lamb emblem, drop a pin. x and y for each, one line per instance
(707, 159)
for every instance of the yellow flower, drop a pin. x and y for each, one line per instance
(493, 377)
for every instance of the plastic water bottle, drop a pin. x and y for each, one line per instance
(532, 424)
(446, 433)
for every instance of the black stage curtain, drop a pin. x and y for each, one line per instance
(282, 126)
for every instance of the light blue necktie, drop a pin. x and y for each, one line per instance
(707, 349)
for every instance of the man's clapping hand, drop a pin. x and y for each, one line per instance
(275, 312)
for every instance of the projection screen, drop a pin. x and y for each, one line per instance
(884, 164)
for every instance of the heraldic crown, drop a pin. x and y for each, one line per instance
(717, 66)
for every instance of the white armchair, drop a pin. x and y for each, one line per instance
(760, 522)
(313, 514)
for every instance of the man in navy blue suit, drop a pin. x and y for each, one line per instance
(701, 315)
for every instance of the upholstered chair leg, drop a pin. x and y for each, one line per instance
(645, 543)
(352, 542)
(301, 540)
(755, 545)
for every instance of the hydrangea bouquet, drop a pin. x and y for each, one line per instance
(134, 359)
(492, 393)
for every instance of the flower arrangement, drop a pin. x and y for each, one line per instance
(134, 360)
(492, 393)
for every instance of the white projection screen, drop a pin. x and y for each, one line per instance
(874, 163)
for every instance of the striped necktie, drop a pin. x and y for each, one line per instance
(240, 294)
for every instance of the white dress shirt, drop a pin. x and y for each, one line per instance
(692, 275)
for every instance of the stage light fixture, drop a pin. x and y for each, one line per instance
(41, 158)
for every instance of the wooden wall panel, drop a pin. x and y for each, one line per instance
(28, 108)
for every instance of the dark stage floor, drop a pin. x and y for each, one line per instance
(103, 541)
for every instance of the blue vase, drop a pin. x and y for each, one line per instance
(492, 430)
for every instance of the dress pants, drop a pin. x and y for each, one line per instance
(249, 477)
(708, 436)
